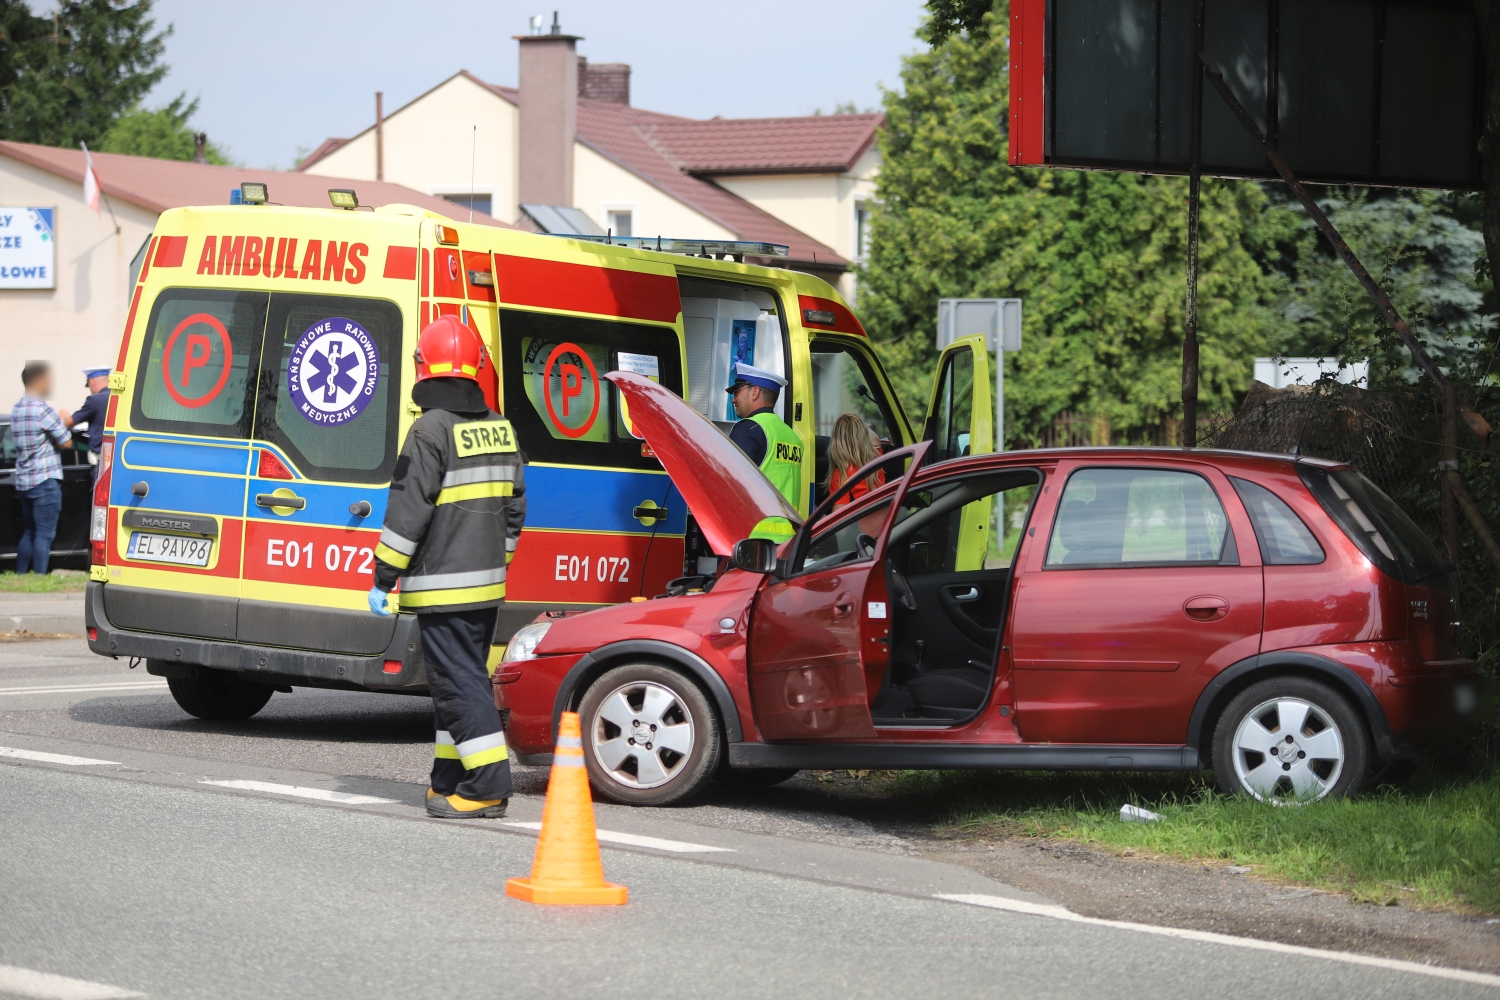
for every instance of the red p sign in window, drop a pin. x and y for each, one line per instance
(180, 367)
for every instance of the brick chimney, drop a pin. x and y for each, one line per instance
(549, 116)
(608, 82)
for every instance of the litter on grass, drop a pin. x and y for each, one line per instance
(1135, 814)
(1238, 869)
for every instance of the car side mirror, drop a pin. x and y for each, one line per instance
(755, 555)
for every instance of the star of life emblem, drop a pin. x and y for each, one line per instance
(333, 371)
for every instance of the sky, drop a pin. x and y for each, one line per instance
(279, 75)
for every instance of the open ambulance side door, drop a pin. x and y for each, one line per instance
(961, 422)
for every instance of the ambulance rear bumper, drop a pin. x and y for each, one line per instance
(270, 664)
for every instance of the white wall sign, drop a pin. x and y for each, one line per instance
(28, 248)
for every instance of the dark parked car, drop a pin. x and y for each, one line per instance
(70, 549)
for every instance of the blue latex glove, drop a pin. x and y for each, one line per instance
(378, 602)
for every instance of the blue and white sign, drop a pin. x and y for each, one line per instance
(28, 248)
(333, 371)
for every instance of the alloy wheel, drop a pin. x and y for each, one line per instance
(642, 734)
(1288, 751)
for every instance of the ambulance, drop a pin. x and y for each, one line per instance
(262, 392)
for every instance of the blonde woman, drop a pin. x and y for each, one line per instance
(852, 447)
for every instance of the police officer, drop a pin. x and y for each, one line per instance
(761, 434)
(93, 411)
(456, 506)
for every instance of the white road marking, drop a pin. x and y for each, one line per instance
(636, 840)
(53, 758)
(301, 792)
(46, 986)
(81, 689)
(1255, 944)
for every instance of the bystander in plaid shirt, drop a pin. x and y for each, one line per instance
(34, 426)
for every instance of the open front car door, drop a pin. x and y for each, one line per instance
(819, 638)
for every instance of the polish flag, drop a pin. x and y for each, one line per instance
(90, 181)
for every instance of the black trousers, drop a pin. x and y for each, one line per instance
(469, 757)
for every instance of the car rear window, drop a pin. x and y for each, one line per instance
(194, 372)
(1139, 517)
(554, 389)
(1383, 532)
(1284, 539)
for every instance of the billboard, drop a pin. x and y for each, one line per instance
(1383, 92)
(28, 248)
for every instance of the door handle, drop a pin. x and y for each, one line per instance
(648, 513)
(1206, 608)
(273, 500)
(972, 594)
(843, 606)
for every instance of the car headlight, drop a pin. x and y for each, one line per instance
(523, 644)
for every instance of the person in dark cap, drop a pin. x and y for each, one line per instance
(93, 410)
(761, 434)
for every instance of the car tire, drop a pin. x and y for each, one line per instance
(623, 711)
(1290, 741)
(753, 778)
(219, 695)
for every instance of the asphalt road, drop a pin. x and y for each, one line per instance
(145, 853)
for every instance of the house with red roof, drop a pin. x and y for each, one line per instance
(565, 151)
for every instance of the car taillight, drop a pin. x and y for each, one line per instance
(99, 518)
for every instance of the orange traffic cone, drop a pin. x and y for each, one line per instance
(567, 868)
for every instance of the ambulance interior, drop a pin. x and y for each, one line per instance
(724, 323)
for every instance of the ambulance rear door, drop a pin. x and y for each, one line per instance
(604, 523)
(960, 422)
(330, 414)
(181, 456)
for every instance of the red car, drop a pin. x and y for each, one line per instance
(1279, 620)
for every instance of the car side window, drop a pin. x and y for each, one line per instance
(1284, 539)
(850, 540)
(953, 417)
(1139, 517)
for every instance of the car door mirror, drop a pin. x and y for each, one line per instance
(755, 555)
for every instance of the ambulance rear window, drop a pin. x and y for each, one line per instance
(553, 367)
(194, 372)
(329, 385)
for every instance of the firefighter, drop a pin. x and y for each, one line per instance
(761, 434)
(457, 503)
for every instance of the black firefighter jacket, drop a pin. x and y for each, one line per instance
(456, 506)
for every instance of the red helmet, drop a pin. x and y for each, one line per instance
(449, 349)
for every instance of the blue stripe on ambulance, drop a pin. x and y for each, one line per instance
(187, 455)
(564, 498)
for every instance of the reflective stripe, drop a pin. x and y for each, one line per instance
(391, 540)
(510, 544)
(775, 529)
(568, 758)
(476, 491)
(570, 742)
(442, 581)
(480, 474)
(390, 556)
(482, 750)
(443, 748)
(466, 595)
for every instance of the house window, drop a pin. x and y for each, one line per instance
(861, 229)
(619, 223)
(466, 201)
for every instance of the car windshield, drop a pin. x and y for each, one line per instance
(1382, 530)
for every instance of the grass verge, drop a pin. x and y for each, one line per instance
(1433, 843)
(59, 581)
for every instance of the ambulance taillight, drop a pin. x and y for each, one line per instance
(99, 518)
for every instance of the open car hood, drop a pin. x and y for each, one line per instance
(729, 497)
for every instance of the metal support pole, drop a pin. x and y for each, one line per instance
(1190, 318)
(1450, 464)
